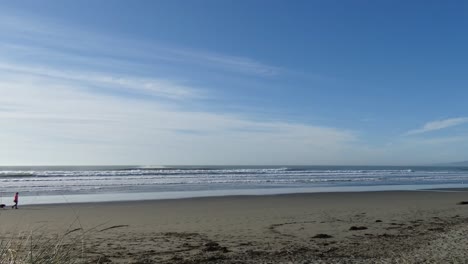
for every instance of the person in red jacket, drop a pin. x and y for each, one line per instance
(15, 200)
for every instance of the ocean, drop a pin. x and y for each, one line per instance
(39, 185)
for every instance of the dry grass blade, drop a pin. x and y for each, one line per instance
(112, 227)
(73, 230)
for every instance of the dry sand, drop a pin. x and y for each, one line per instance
(367, 227)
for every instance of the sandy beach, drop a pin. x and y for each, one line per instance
(366, 227)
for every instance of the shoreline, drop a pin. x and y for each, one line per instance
(204, 198)
(155, 196)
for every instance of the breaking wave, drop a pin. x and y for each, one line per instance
(161, 178)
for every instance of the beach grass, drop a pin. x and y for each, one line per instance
(41, 246)
(38, 248)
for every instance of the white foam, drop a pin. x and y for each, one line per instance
(158, 178)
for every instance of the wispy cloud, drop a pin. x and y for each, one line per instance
(146, 86)
(438, 125)
(241, 64)
(54, 37)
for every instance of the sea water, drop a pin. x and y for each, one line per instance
(38, 185)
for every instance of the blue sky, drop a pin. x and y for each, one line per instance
(233, 82)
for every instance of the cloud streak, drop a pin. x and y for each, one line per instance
(51, 36)
(146, 86)
(438, 125)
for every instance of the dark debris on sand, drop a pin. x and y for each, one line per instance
(322, 236)
(354, 228)
(213, 246)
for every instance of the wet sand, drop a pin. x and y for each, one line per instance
(367, 227)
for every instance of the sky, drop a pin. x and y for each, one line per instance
(209, 82)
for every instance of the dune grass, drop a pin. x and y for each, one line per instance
(36, 247)
(42, 247)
